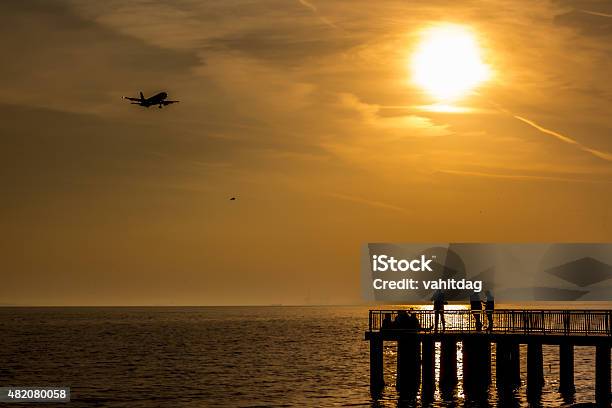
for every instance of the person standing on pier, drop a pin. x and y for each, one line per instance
(387, 323)
(566, 321)
(413, 321)
(402, 320)
(438, 303)
(476, 307)
(489, 308)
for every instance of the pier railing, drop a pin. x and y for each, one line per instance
(560, 322)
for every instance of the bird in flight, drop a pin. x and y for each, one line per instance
(233, 199)
(157, 99)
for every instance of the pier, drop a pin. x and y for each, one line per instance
(510, 328)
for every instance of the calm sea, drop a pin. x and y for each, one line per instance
(217, 356)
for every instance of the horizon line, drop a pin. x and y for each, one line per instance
(303, 305)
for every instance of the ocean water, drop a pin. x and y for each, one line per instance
(220, 356)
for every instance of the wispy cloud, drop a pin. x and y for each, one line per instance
(315, 10)
(533, 177)
(370, 113)
(365, 201)
(596, 13)
(309, 5)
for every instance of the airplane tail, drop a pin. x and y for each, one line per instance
(141, 96)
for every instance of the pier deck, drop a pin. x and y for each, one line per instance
(509, 329)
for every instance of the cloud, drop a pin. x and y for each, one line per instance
(596, 13)
(308, 5)
(521, 176)
(408, 124)
(54, 74)
(314, 9)
(371, 203)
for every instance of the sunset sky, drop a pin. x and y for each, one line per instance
(309, 113)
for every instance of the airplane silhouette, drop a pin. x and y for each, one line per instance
(157, 99)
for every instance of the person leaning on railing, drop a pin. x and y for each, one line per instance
(402, 320)
(387, 323)
(407, 320)
(413, 321)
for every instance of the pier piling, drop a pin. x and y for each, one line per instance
(535, 370)
(377, 379)
(508, 365)
(448, 364)
(428, 359)
(602, 375)
(408, 364)
(476, 365)
(501, 362)
(514, 364)
(566, 369)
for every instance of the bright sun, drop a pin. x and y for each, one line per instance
(447, 63)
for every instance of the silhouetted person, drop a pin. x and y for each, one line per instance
(566, 321)
(476, 307)
(489, 308)
(402, 321)
(413, 321)
(438, 304)
(387, 323)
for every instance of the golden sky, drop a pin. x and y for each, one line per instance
(308, 112)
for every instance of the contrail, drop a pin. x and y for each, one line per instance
(597, 153)
(596, 13)
(314, 9)
(564, 138)
(520, 176)
(368, 202)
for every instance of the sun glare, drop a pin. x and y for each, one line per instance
(447, 63)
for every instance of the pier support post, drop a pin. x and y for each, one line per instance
(489, 363)
(515, 364)
(448, 364)
(408, 365)
(535, 370)
(508, 366)
(602, 375)
(501, 362)
(377, 379)
(428, 359)
(476, 365)
(566, 369)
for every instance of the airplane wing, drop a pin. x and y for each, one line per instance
(169, 102)
(132, 99)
